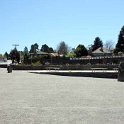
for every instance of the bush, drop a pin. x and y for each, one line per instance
(38, 63)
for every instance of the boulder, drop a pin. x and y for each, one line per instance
(9, 69)
(121, 72)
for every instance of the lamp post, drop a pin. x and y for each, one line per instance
(15, 45)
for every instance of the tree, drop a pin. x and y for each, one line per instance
(97, 43)
(34, 48)
(26, 56)
(51, 50)
(47, 49)
(109, 45)
(89, 49)
(6, 55)
(120, 43)
(25, 50)
(15, 55)
(62, 48)
(81, 51)
(1, 55)
(71, 54)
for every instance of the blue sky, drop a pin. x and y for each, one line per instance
(26, 22)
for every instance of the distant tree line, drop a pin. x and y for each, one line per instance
(64, 49)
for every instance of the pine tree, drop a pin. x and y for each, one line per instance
(97, 43)
(120, 43)
(34, 48)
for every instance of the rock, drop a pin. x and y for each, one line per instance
(121, 72)
(9, 69)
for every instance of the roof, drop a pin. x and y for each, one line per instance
(54, 54)
(101, 50)
(40, 53)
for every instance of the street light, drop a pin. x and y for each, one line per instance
(15, 45)
(19, 51)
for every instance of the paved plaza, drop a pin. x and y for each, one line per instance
(27, 98)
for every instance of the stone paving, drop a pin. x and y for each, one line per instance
(27, 98)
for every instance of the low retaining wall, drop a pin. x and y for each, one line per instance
(64, 67)
(3, 66)
(27, 67)
(83, 74)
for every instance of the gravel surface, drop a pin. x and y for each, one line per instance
(27, 98)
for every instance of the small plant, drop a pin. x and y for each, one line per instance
(38, 63)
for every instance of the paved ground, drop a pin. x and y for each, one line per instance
(27, 98)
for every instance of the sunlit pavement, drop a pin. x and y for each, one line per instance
(73, 71)
(28, 98)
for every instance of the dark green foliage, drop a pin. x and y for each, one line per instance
(51, 50)
(26, 56)
(97, 43)
(26, 59)
(25, 50)
(81, 51)
(15, 55)
(6, 55)
(120, 43)
(47, 49)
(34, 48)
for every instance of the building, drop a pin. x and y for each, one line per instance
(101, 52)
